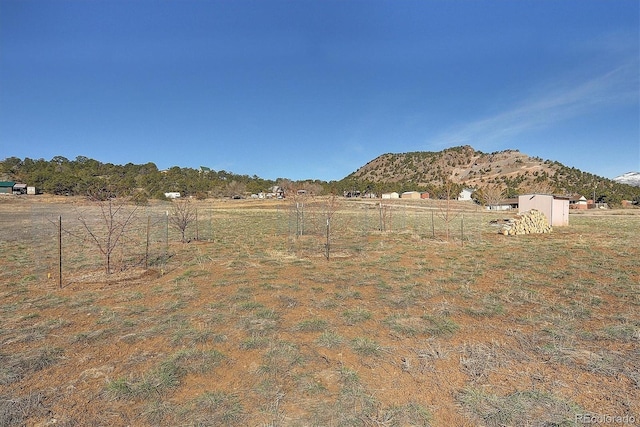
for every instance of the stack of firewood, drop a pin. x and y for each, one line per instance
(529, 222)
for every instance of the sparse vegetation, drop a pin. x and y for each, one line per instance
(397, 329)
(506, 171)
(519, 408)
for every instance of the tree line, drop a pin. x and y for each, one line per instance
(85, 176)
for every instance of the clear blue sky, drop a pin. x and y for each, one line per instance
(315, 89)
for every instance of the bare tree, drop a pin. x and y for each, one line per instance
(491, 195)
(235, 189)
(448, 192)
(182, 215)
(537, 187)
(330, 208)
(385, 213)
(287, 186)
(298, 198)
(107, 233)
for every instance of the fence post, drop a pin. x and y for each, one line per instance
(462, 229)
(328, 233)
(166, 244)
(433, 227)
(146, 254)
(197, 237)
(60, 251)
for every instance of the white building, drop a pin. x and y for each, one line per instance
(465, 194)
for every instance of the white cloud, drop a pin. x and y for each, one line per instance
(553, 104)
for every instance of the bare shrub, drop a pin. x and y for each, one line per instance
(478, 360)
(15, 411)
(107, 233)
(182, 215)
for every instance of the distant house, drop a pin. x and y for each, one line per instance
(410, 195)
(555, 208)
(578, 202)
(172, 195)
(392, 195)
(465, 194)
(503, 205)
(424, 195)
(6, 187)
(274, 192)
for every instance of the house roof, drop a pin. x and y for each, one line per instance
(7, 184)
(512, 201)
(20, 186)
(555, 196)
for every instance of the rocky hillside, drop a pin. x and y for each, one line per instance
(458, 164)
(509, 170)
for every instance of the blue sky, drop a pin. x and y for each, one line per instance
(315, 89)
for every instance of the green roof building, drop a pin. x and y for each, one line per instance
(6, 187)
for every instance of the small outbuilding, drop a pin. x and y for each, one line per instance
(392, 195)
(555, 208)
(465, 194)
(6, 187)
(410, 195)
(503, 205)
(20, 188)
(578, 202)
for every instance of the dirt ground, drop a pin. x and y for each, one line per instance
(254, 326)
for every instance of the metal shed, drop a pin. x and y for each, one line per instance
(410, 195)
(6, 187)
(555, 208)
(20, 189)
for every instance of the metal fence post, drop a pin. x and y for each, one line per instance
(60, 251)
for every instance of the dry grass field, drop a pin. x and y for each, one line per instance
(251, 325)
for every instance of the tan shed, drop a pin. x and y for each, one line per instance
(555, 208)
(410, 195)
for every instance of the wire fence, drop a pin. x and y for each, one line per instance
(68, 242)
(317, 227)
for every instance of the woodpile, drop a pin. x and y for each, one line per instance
(529, 222)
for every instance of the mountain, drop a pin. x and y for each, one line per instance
(457, 164)
(509, 170)
(462, 165)
(629, 178)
